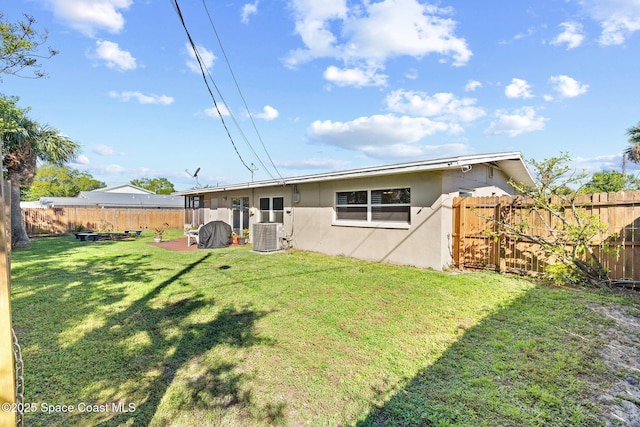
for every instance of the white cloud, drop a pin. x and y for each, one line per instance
(400, 136)
(268, 113)
(113, 56)
(314, 163)
(601, 163)
(472, 85)
(372, 133)
(103, 150)
(444, 106)
(113, 169)
(387, 136)
(572, 36)
(520, 121)
(312, 25)
(90, 16)
(568, 87)
(372, 32)
(206, 56)
(619, 19)
(416, 151)
(411, 74)
(518, 89)
(213, 112)
(608, 158)
(81, 160)
(142, 98)
(247, 10)
(530, 31)
(354, 77)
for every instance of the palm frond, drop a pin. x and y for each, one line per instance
(51, 146)
(632, 152)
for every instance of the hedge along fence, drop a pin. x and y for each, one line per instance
(474, 246)
(40, 221)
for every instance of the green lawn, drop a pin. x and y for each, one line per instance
(231, 337)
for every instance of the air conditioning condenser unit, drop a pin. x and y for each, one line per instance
(266, 236)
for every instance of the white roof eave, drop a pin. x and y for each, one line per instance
(508, 162)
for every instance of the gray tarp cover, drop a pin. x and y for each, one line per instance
(214, 234)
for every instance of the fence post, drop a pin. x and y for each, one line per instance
(7, 366)
(458, 231)
(501, 253)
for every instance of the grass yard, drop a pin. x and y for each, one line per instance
(230, 337)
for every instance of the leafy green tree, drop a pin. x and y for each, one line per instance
(20, 45)
(567, 230)
(22, 148)
(610, 181)
(10, 114)
(157, 185)
(60, 181)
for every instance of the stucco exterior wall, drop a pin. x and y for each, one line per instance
(315, 228)
(481, 179)
(310, 223)
(425, 243)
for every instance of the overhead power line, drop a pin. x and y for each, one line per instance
(224, 53)
(206, 82)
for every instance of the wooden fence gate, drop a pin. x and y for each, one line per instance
(475, 247)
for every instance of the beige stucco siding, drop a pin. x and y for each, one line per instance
(315, 227)
(480, 178)
(310, 223)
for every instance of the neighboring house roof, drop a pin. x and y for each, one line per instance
(511, 163)
(116, 200)
(113, 199)
(124, 188)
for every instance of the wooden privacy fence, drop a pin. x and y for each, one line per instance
(475, 247)
(40, 221)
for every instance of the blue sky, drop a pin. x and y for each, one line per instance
(331, 84)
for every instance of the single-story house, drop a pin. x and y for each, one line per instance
(400, 213)
(121, 196)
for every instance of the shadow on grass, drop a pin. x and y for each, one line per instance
(97, 282)
(43, 247)
(525, 365)
(135, 355)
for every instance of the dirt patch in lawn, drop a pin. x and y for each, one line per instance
(175, 245)
(620, 404)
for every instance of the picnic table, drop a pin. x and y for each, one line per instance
(94, 237)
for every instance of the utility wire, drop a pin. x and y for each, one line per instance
(204, 77)
(240, 92)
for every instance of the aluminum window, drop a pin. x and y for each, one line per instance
(272, 209)
(373, 207)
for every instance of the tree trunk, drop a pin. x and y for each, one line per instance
(19, 238)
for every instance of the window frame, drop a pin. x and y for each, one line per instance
(369, 222)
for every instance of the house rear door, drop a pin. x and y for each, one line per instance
(240, 214)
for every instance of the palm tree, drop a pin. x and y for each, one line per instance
(632, 153)
(22, 149)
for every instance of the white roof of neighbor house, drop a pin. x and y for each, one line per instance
(119, 196)
(124, 188)
(116, 200)
(511, 163)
